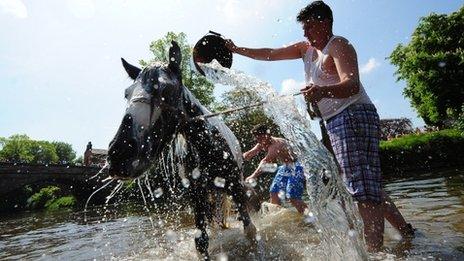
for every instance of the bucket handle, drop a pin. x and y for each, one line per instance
(217, 34)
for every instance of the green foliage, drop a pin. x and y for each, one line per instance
(432, 65)
(242, 122)
(16, 149)
(422, 151)
(19, 148)
(79, 160)
(43, 152)
(459, 123)
(40, 199)
(196, 83)
(64, 151)
(60, 203)
(50, 199)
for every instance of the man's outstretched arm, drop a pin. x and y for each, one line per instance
(251, 153)
(294, 51)
(270, 158)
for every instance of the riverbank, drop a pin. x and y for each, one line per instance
(425, 151)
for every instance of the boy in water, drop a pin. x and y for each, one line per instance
(289, 178)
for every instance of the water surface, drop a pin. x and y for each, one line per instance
(433, 202)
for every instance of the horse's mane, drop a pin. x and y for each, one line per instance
(150, 76)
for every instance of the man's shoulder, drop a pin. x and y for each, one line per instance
(278, 141)
(303, 47)
(339, 43)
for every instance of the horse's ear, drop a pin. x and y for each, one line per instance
(131, 70)
(175, 57)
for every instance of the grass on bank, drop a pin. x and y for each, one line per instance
(423, 151)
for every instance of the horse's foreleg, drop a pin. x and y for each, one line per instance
(201, 239)
(238, 195)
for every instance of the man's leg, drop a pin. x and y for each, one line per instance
(299, 204)
(278, 184)
(274, 198)
(373, 218)
(394, 217)
(295, 187)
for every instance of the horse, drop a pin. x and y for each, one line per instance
(159, 109)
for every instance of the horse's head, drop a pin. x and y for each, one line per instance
(150, 120)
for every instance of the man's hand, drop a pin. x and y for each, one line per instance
(230, 45)
(312, 93)
(250, 179)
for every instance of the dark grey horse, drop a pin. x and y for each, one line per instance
(161, 108)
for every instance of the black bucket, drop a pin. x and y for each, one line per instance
(209, 47)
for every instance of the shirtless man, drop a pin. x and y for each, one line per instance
(289, 178)
(333, 84)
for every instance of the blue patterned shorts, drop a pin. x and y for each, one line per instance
(354, 134)
(289, 179)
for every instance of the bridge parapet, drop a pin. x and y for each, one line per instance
(15, 176)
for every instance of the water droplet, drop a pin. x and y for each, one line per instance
(249, 193)
(310, 218)
(352, 233)
(222, 257)
(226, 155)
(196, 173)
(171, 236)
(269, 167)
(258, 237)
(185, 183)
(281, 195)
(442, 64)
(251, 183)
(220, 182)
(197, 233)
(158, 192)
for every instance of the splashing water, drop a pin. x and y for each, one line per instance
(331, 205)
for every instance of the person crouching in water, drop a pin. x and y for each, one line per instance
(289, 178)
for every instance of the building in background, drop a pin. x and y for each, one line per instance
(392, 128)
(94, 157)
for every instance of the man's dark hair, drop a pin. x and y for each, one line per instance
(317, 10)
(260, 129)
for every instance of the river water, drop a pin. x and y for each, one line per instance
(433, 202)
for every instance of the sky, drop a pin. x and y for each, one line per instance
(61, 77)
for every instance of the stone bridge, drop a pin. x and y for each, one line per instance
(15, 176)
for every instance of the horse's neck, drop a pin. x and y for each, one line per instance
(193, 107)
(196, 131)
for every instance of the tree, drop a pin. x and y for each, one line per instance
(65, 152)
(16, 149)
(19, 148)
(432, 65)
(196, 83)
(43, 152)
(242, 122)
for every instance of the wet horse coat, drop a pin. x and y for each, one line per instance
(159, 109)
